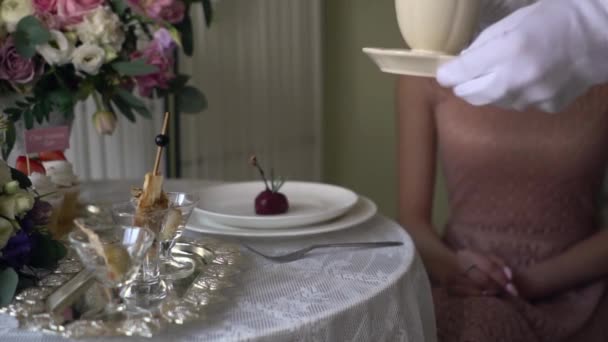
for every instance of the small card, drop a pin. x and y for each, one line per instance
(47, 139)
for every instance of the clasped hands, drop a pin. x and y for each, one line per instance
(481, 275)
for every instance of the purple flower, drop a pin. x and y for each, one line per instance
(40, 215)
(27, 224)
(155, 55)
(165, 40)
(18, 250)
(13, 67)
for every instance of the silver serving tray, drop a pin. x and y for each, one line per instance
(55, 305)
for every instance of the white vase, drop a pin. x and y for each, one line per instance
(55, 119)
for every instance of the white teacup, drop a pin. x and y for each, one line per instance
(437, 26)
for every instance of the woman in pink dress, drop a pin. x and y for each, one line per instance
(523, 256)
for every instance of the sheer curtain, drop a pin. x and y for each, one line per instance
(260, 66)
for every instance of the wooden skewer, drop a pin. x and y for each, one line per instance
(159, 150)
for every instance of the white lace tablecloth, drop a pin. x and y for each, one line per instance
(332, 295)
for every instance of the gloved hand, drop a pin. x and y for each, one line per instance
(543, 55)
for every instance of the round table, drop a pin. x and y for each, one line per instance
(331, 295)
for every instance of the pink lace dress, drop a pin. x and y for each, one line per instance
(525, 187)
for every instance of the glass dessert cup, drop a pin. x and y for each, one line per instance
(180, 208)
(114, 256)
(147, 290)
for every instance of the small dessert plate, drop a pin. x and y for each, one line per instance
(407, 62)
(232, 204)
(363, 211)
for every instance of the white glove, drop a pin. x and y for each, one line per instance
(543, 55)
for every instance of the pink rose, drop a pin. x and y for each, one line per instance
(71, 12)
(14, 68)
(155, 55)
(45, 6)
(172, 11)
(50, 21)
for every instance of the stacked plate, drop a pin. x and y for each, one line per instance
(314, 208)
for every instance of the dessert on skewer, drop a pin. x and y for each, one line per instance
(151, 197)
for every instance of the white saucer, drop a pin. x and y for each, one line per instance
(361, 212)
(407, 62)
(232, 204)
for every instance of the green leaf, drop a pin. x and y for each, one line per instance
(10, 136)
(208, 12)
(62, 99)
(29, 119)
(22, 178)
(191, 100)
(46, 107)
(178, 82)
(185, 27)
(123, 108)
(13, 113)
(175, 85)
(134, 68)
(29, 33)
(23, 45)
(134, 103)
(37, 33)
(8, 285)
(38, 113)
(119, 6)
(84, 91)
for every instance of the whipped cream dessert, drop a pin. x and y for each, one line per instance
(61, 173)
(42, 183)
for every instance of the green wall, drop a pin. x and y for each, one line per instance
(359, 134)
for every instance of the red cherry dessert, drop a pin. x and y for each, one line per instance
(270, 201)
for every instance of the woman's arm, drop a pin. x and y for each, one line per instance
(416, 155)
(582, 263)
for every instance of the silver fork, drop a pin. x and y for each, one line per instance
(292, 256)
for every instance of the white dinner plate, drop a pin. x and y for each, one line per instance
(407, 62)
(232, 204)
(361, 212)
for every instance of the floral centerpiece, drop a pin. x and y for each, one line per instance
(55, 53)
(25, 245)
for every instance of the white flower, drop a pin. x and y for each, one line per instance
(16, 204)
(58, 50)
(12, 11)
(88, 58)
(5, 173)
(24, 202)
(102, 27)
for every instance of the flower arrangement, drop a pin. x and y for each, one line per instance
(25, 244)
(55, 53)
